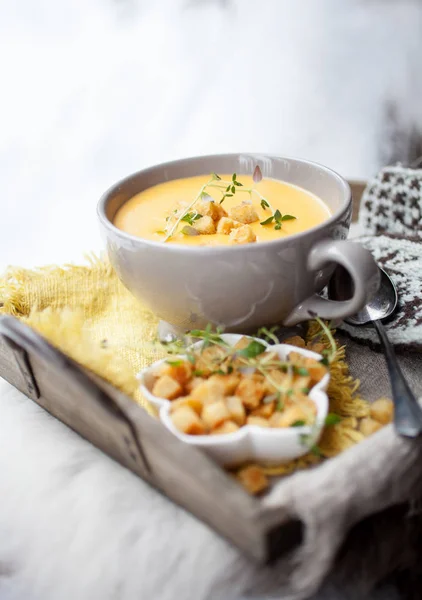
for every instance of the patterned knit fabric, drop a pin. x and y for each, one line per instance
(391, 219)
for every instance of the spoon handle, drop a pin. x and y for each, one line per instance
(407, 412)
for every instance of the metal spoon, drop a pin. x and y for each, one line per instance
(407, 412)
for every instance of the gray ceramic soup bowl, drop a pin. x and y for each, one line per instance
(241, 287)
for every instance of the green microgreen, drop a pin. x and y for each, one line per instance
(332, 419)
(301, 371)
(174, 363)
(298, 424)
(252, 350)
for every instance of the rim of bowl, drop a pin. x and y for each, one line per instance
(162, 404)
(102, 203)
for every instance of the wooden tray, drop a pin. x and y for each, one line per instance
(114, 423)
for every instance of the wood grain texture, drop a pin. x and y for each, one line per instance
(123, 430)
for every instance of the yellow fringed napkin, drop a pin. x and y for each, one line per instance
(87, 313)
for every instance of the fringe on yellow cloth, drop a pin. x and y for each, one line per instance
(87, 313)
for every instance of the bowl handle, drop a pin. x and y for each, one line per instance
(364, 273)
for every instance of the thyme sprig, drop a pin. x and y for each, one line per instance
(187, 210)
(228, 189)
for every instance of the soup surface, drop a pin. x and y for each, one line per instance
(169, 213)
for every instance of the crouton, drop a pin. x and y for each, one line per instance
(180, 372)
(289, 417)
(296, 340)
(243, 235)
(226, 427)
(193, 383)
(225, 225)
(209, 360)
(317, 347)
(166, 387)
(208, 208)
(242, 343)
(278, 381)
(253, 479)
(215, 414)
(187, 421)
(250, 392)
(205, 225)
(369, 426)
(316, 370)
(265, 410)
(382, 410)
(301, 383)
(209, 391)
(258, 421)
(230, 382)
(244, 213)
(190, 401)
(236, 409)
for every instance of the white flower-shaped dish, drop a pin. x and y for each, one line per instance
(250, 442)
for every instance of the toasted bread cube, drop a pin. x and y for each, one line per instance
(300, 399)
(187, 421)
(214, 414)
(244, 213)
(265, 410)
(243, 235)
(382, 410)
(317, 347)
(226, 427)
(295, 340)
(316, 370)
(230, 382)
(225, 225)
(209, 391)
(190, 401)
(301, 383)
(242, 343)
(289, 416)
(181, 373)
(193, 383)
(369, 426)
(167, 387)
(208, 208)
(283, 381)
(258, 421)
(250, 392)
(210, 359)
(205, 225)
(236, 409)
(253, 479)
(297, 359)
